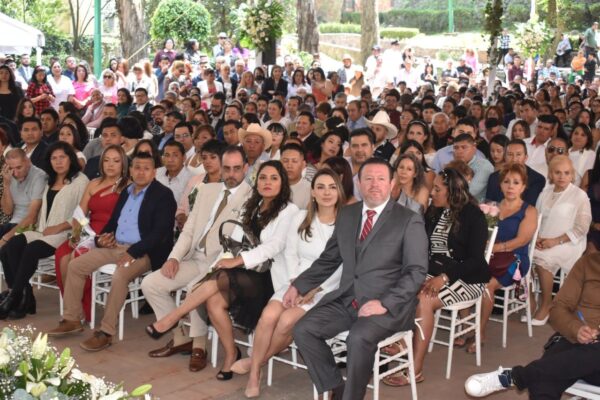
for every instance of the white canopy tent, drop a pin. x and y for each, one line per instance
(17, 37)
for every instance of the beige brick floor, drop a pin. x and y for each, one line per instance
(127, 361)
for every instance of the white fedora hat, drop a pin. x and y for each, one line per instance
(382, 118)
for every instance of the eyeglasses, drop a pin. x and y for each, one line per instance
(185, 135)
(557, 150)
(107, 77)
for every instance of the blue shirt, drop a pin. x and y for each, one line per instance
(359, 123)
(128, 231)
(444, 155)
(164, 140)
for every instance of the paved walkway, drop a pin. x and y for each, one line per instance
(127, 361)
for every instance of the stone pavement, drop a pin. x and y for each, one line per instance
(127, 361)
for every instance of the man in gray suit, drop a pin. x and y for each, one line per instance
(383, 247)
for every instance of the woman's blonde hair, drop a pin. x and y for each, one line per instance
(313, 208)
(557, 160)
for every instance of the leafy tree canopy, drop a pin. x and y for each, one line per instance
(181, 20)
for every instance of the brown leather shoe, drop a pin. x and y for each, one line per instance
(66, 327)
(197, 360)
(169, 350)
(98, 342)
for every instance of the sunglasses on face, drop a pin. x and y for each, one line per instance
(557, 150)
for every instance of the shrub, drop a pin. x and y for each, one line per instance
(398, 33)
(350, 17)
(181, 20)
(334, 27)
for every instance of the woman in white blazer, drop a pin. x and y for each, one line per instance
(209, 86)
(309, 232)
(21, 254)
(566, 217)
(236, 289)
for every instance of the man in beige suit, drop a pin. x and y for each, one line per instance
(195, 251)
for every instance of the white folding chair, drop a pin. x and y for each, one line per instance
(101, 285)
(459, 326)
(404, 360)
(46, 267)
(511, 303)
(584, 390)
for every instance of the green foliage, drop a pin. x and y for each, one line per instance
(181, 20)
(223, 20)
(387, 33)
(492, 25)
(334, 27)
(350, 17)
(398, 33)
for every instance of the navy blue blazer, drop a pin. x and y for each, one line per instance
(155, 220)
(535, 185)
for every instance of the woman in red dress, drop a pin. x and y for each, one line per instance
(96, 205)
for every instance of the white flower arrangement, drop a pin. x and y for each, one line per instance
(261, 24)
(533, 37)
(31, 369)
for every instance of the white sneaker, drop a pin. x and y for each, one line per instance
(481, 385)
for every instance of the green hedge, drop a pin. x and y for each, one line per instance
(398, 33)
(334, 27)
(388, 33)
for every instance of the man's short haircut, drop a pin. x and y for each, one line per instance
(187, 125)
(36, 120)
(530, 102)
(158, 107)
(213, 146)
(52, 112)
(340, 95)
(393, 93)
(179, 146)
(491, 123)
(323, 108)
(469, 122)
(220, 96)
(262, 97)
(110, 105)
(143, 155)
(234, 122)
(311, 117)
(363, 132)
(141, 89)
(460, 112)
(16, 154)
(297, 98)
(233, 149)
(375, 161)
(464, 137)
(205, 128)
(519, 142)
(176, 115)
(548, 119)
(294, 147)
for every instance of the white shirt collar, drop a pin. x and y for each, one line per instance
(378, 209)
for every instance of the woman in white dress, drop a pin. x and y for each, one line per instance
(581, 152)
(61, 85)
(566, 217)
(309, 231)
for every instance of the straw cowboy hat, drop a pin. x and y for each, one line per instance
(382, 118)
(256, 129)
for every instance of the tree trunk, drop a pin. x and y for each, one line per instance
(308, 30)
(553, 22)
(494, 61)
(134, 34)
(369, 25)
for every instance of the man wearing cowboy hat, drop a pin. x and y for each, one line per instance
(384, 132)
(347, 71)
(255, 140)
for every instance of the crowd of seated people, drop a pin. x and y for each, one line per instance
(143, 169)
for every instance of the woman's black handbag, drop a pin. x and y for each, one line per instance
(249, 241)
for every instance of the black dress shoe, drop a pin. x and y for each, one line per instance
(156, 334)
(3, 295)
(27, 305)
(11, 301)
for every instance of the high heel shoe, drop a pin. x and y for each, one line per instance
(252, 393)
(27, 305)
(539, 322)
(227, 375)
(154, 334)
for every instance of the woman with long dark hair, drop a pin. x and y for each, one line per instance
(10, 93)
(309, 231)
(39, 90)
(236, 289)
(20, 256)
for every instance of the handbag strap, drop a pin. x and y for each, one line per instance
(247, 232)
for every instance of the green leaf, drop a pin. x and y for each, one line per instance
(141, 390)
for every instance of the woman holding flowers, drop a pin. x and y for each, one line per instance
(95, 208)
(517, 222)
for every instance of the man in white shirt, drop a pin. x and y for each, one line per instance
(183, 134)
(528, 112)
(174, 174)
(347, 71)
(409, 75)
(536, 145)
(293, 160)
